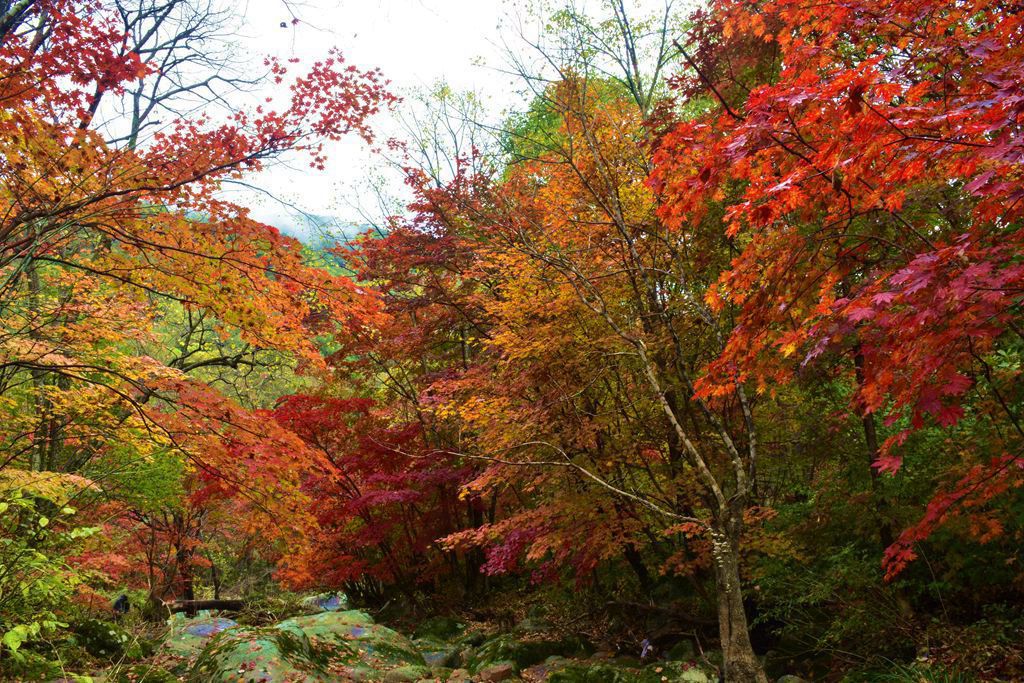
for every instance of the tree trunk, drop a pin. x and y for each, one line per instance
(155, 610)
(474, 557)
(192, 606)
(636, 561)
(186, 582)
(214, 577)
(740, 664)
(880, 503)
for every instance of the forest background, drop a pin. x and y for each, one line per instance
(725, 323)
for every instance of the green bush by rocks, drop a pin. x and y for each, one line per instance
(106, 640)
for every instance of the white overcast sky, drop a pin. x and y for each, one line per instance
(416, 43)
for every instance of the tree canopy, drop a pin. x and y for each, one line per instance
(726, 319)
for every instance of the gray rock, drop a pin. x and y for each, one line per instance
(496, 672)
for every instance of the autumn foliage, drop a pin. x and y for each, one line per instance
(126, 276)
(608, 332)
(731, 323)
(873, 183)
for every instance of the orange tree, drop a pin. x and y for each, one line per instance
(546, 330)
(574, 330)
(101, 243)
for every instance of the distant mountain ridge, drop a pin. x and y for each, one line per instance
(317, 231)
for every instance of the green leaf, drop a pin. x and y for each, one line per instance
(83, 532)
(15, 637)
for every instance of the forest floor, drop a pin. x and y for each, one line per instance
(321, 639)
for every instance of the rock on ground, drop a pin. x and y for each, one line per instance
(325, 647)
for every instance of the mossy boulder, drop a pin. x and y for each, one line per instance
(144, 673)
(379, 646)
(473, 637)
(439, 628)
(614, 672)
(407, 674)
(440, 673)
(593, 672)
(683, 672)
(188, 637)
(521, 652)
(330, 646)
(260, 654)
(326, 602)
(439, 653)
